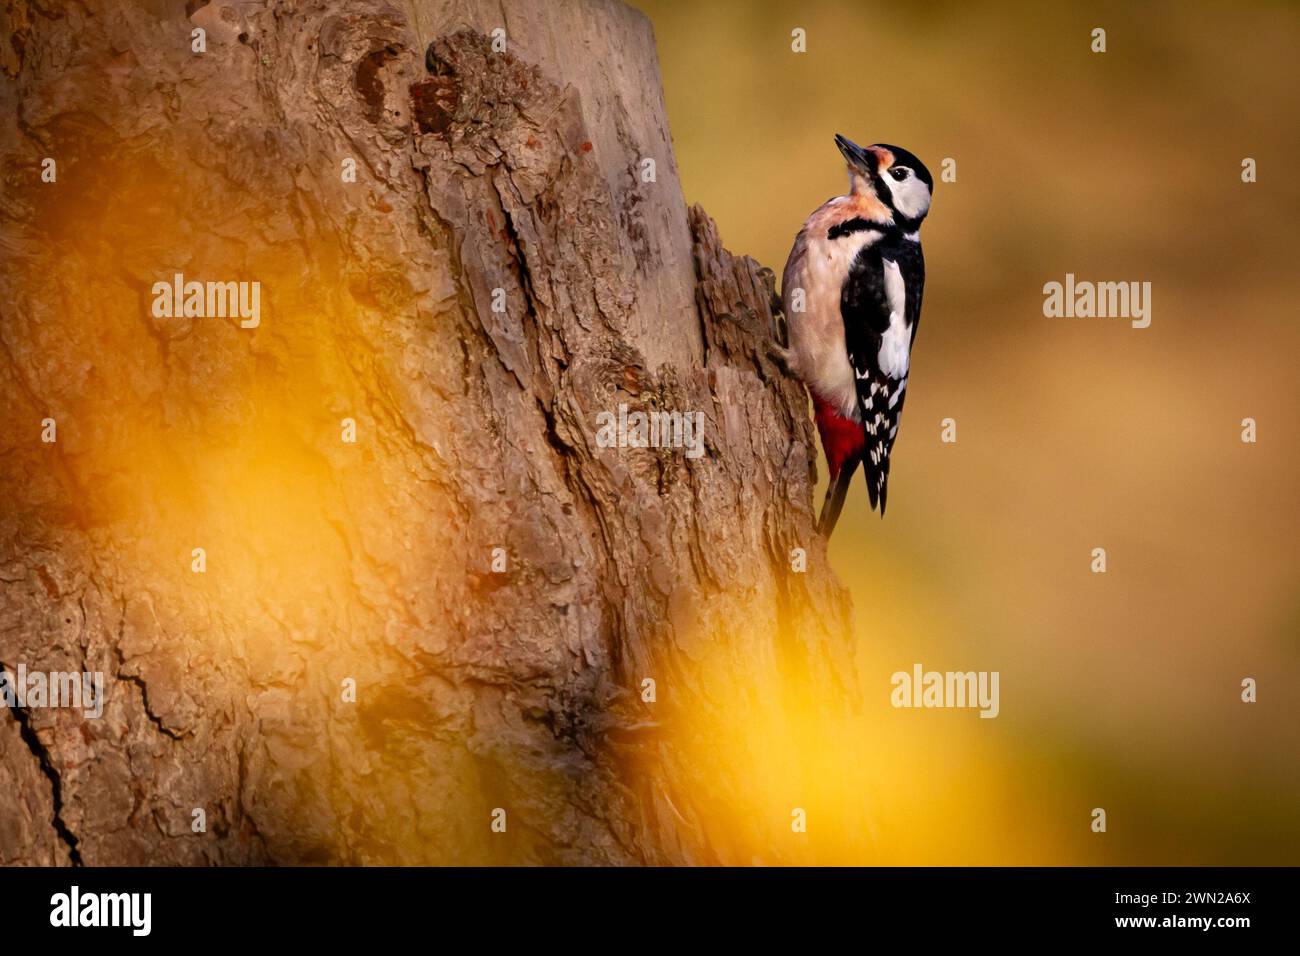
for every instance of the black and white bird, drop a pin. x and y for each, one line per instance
(851, 293)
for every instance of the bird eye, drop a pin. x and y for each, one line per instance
(899, 172)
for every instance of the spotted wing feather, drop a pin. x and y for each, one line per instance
(867, 305)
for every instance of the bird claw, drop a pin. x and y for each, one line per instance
(782, 357)
(780, 328)
(778, 350)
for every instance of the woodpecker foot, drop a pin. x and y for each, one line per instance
(778, 350)
(780, 328)
(782, 357)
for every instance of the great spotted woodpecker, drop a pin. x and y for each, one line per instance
(851, 293)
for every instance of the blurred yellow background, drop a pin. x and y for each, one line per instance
(1119, 690)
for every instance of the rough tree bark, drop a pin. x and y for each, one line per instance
(477, 171)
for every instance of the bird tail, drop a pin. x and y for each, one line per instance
(878, 484)
(835, 494)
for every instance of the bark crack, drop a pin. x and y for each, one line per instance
(139, 682)
(43, 758)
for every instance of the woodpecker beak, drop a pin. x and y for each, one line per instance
(863, 160)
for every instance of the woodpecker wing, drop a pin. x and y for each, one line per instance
(881, 308)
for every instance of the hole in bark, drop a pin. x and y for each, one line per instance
(435, 64)
(368, 82)
(433, 103)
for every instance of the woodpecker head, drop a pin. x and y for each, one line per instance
(892, 175)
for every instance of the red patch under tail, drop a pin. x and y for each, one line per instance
(842, 438)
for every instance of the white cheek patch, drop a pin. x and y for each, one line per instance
(911, 198)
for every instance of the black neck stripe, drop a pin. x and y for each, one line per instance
(858, 224)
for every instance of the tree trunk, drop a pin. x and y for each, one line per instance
(389, 648)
